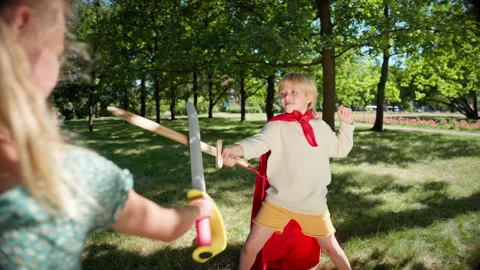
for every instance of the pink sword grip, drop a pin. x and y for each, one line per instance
(204, 234)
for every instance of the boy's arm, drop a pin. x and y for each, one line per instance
(252, 147)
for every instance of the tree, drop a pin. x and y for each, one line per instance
(443, 69)
(356, 79)
(390, 29)
(92, 16)
(271, 36)
(149, 31)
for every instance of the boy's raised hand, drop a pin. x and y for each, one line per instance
(345, 114)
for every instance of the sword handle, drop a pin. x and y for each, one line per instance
(204, 233)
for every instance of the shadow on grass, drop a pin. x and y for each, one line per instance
(361, 219)
(210, 128)
(106, 256)
(401, 148)
(377, 262)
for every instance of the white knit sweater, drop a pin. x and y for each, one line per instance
(298, 172)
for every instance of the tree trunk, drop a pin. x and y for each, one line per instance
(328, 63)
(90, 104)
(475, 105)
(90, 109)
(157, 97)
(210, 95)
(173, 99)
(156, 79)
(378, 126)
(243, 97)
(466, 107)
(195, 87)
(270, 96)
(143, 97)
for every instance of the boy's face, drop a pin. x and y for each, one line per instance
(294, 98)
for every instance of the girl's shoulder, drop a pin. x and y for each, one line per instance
(84, 156)
(97, 183)
(80, 160)
(83, 165)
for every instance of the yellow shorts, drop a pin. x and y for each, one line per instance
(276, 218)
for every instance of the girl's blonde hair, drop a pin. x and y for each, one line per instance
(24, 115)
(301, 82)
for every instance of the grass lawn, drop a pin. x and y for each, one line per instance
(401, 200)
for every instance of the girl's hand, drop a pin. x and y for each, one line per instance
(204, 205)
(345, 114)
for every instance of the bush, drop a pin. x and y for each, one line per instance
(68, 110)
(202, 107)
(234, 108)
(253, 109)
(276, 108)
(224, 109)
(180, 108)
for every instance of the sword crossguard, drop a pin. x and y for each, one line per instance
(218, 156)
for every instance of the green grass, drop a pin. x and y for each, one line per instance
(401, 200)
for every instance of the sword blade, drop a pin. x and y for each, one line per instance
(196, 161)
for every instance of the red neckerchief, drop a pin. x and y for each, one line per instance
(291, 249)
(303, 119)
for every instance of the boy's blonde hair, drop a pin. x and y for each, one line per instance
(24, 115)
(301, 82)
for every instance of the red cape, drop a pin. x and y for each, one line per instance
(289, 250)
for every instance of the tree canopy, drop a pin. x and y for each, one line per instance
(151, 56)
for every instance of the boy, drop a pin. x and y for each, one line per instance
(298, 169)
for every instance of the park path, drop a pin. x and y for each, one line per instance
(441, 131)
(388, 127)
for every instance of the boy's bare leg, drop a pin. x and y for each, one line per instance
(257, 238)
(331, 247)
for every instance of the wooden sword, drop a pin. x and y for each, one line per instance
(156, 128)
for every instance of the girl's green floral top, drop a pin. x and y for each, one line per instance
(30, 238)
